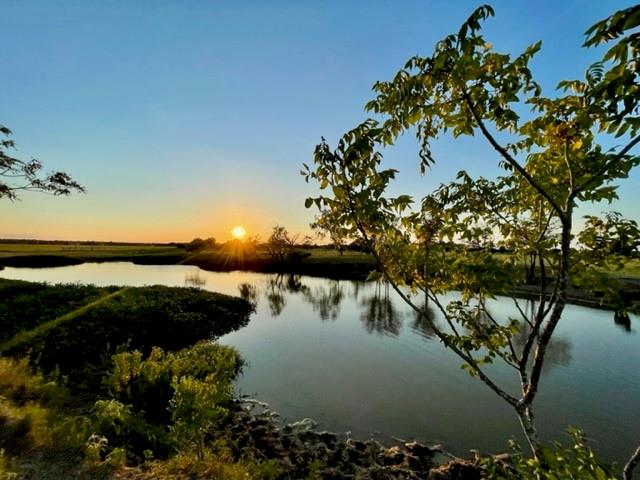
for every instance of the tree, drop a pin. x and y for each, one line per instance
(17, 175)
(199, 244)
(280, 244)
(552, 160)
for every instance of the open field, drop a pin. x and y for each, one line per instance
(57, 254)
(631, 269)
(83, 250)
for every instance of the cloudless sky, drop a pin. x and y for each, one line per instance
(185, 118)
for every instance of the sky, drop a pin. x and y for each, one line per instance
(186, 118)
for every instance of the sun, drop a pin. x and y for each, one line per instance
(238, 232)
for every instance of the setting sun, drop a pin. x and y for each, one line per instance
(238, 232)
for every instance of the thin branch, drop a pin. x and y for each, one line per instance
(627, 473)
(568, 164)
(524, 316)
(512, 161)
(612, 161)
(510, 343)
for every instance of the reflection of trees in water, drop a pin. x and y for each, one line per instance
(278, 286)
(325, 300)
(274, 295)
(194, 279)
(293, 284)
(355, 289)
(379, 315)
(276, 302)
(622, 320)
(249, 292)
(558, 350)
(423, 322)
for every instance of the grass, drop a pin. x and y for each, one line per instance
(631, 269)
(82, 250)
(26, 305)
(52, 255)
(108, 319)
(27, 336)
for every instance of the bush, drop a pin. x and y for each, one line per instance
(554, 462)
(183, 393)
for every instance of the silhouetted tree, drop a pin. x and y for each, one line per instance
(19, 175)
(199, 244)
(280, 244)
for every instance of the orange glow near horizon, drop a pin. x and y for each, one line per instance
(238, 232)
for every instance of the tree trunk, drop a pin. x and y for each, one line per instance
(525, 415)
(627, 473)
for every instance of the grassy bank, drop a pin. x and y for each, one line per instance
(95, 381)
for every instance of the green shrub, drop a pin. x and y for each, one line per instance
(32, 411)
(196, 407)
(124, 428)
(555, 462)
(168, 400)
(6, 469)
(149, 384)
(20, 384)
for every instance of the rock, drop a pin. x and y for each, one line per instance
(392, 456)
(420, 450)
(415, 463)
(419, 457)
(328, 438)
(456, 470)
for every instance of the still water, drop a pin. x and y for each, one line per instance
(355, 359)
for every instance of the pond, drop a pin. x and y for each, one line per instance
(354, 358)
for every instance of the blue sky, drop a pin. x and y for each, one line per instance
(186, 118)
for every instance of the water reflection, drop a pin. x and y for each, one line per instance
(276, 302)
(325, 300)
(423, 322)
(622, 320)
(249, 292)
(193, 279)
(558, 351)
(379, 314)
(277, 286)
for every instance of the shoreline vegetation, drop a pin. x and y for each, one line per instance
(318, 261)
(148, 393)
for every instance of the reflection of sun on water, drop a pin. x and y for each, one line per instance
(238, 232)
